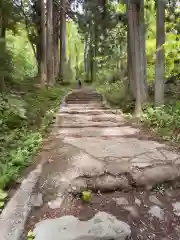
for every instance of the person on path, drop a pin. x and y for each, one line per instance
(79, 83)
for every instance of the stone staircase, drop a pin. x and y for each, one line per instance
(83, 97)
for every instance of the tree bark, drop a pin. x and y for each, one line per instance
(77, 61)
(85, 53)
(38, 52)
(56, 38)
(50, 57)
(43, 60)
(133, 23)
(3, 46)
(93, 52)
(131, 84)
(62, 40)
(160, 40)
(142, 48)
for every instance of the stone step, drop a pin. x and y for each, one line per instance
(84, 111)
(81, 102)
(84, 96)
(96, 132)
(83, 99)
(81, 107)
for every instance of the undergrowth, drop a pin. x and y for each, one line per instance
(24, 118)
(117, 96)
(163, 121)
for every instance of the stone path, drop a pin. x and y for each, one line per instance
(92, 148)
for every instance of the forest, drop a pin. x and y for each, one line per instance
(129, 50)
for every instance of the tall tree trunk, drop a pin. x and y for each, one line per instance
(37, 22)
(3, 49)
(77, 61)
(87, 58)
(56, 38)
(133, 16)
(142, 48)
(131, 82)
(38, 52)
(43, 60)
(93, 52)
(85, 53)
(50, 55)
(160, 39)
(62, 40)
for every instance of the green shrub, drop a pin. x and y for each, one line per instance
(164, 120)
(116, 94)
(23, 122)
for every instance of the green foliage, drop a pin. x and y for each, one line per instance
(86, 196)
(117, 95)
(23, 59)
(75, 51)
(5, 60)
(164, 120)
(23, 123)
(30, 235)
(25, 110)
(3, 196)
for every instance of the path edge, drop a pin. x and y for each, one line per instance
(15, 214)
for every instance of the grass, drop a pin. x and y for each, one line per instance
(24, 120)
(164, 121)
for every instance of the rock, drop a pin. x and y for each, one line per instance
(118, 167)
(142, 164)
(157, 212)
(176, 208)
(101, 226)
(155, 200)
(121, 201)
(138, 201)
(87, 165)
(154, 175)
(108, 183)
(37, 200)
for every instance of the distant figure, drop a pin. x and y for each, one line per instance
(79, 83)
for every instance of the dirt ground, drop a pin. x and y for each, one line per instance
(134, 211)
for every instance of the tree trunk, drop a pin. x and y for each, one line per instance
(133, 16)
(77, 61)
(43, 60)
(142, 48)
(93, 52)
(38, 52)
(62, 41)
(160, 40)
(50, 57)
(131, 83)
(3, 49)
(56, 38)
(86, 45)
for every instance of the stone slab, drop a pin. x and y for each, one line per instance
(97, 132)
(102, 226)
